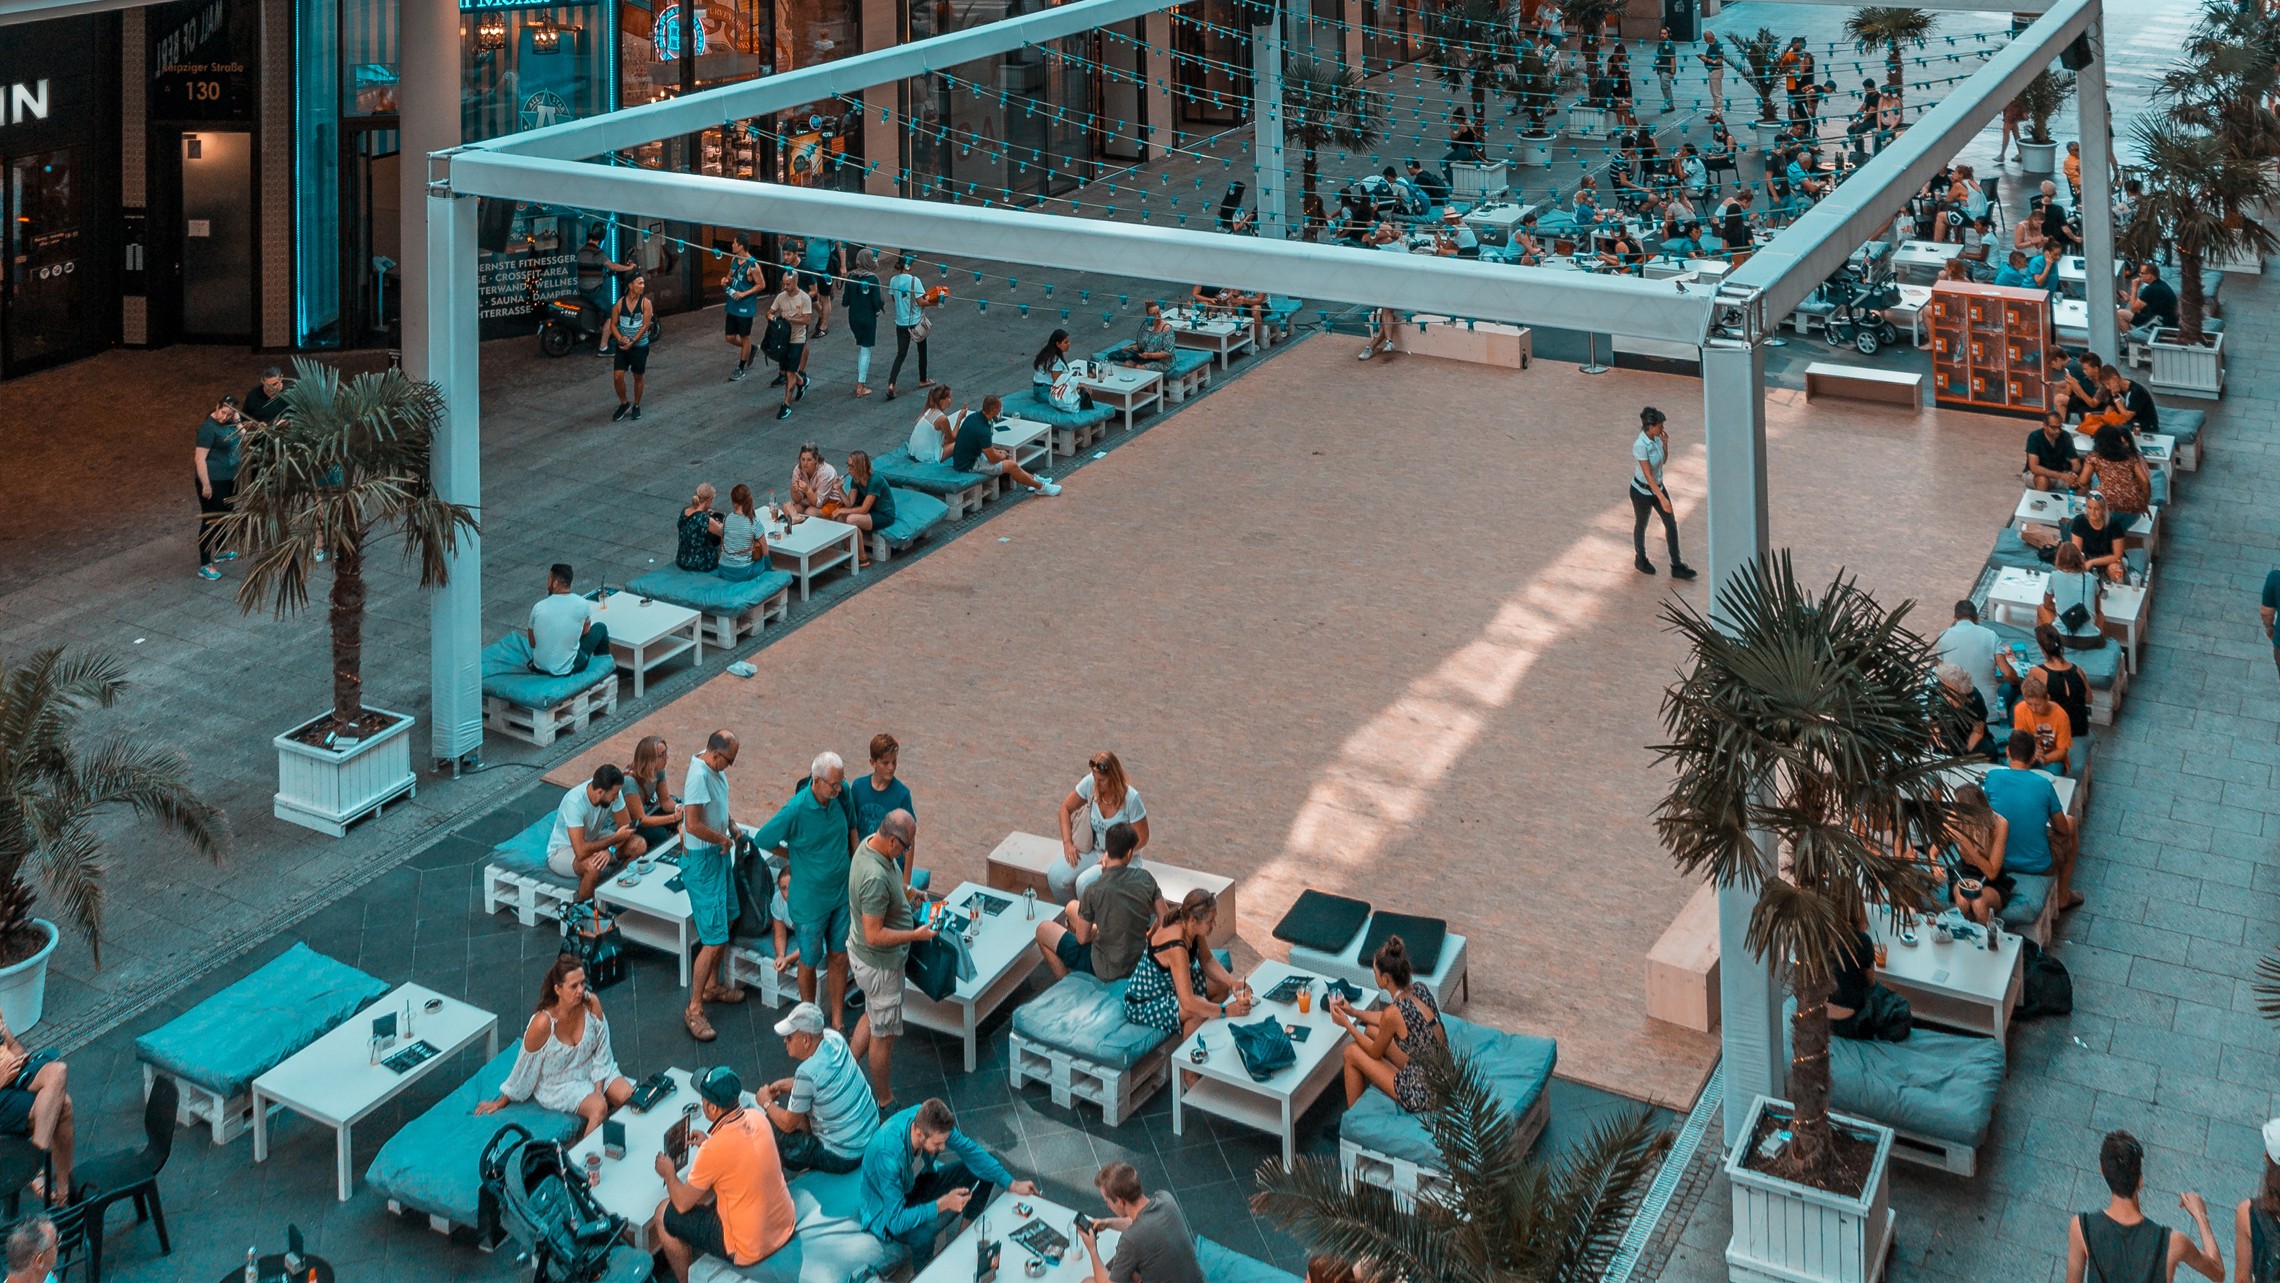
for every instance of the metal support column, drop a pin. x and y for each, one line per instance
(1733, 417)
(453, 363)
(1267, 168)
(2095, 122)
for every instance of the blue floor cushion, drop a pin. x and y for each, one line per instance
(916, 512)
(1935, 1084)
(2099, 667)
(1518, 1067)
(1084, 1016)
(430, 1164)
(1322, 922)
(829, 1244)
(507, 675)
(2014, 553)
(2185, 425)
(1223, 1265)
(525, 852)
(1036, 407)
(2029, 892)
(248, 1029)
(931, 478)
(709, 593)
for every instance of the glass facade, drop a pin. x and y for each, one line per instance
(60, 229)
(345, 161)
(1012, 127)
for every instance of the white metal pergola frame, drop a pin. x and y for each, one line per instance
(1729, 326)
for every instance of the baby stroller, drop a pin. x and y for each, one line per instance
(538, 1199)
(1856, 317)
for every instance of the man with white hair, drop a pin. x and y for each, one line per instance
(32, 1251)
(815, 831)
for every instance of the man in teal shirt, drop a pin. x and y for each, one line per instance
(816, 832)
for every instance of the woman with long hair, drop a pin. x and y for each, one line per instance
(870, 503)
(1388, 1040)
(2068, 688)
(2120, 472)
(566, 1064)
(2256, 1225)
(1101, 797)
(1179, 983)
(933, 435)
(649, 805)
(743, 540)
(1977, 883)
(2073, 584)
(815, 485)
(1052, 379)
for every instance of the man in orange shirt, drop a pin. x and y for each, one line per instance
(2039, 715)
(734, 1204)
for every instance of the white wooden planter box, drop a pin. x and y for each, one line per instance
(1785, 1233)
(2188, 371)
(1479, 182)
(1587, 122)
(1536, 152)
(327, 790)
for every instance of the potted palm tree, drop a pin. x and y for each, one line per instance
(1535, 87)
(2200, 203)
(1505, 1216)
(1588, 20)
(1803, 744)
(1758, 58)
(53, 797)
(2230, 71)
(1888, 27)
(1474, 39)
(344, 465)
(2039, 101)
(1326, 106)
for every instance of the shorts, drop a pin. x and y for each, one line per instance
(705, 873)
(738, 326)
(984, 466)
(789, 362)
(882, 996)
(813, 281)
(16, 1100)
(826, 935)
(1074, 956)
(634, 358)
(699, 1227)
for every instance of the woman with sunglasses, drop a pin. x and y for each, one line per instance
(1103, 797)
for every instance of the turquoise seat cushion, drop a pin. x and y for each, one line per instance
(249, 1028)
(2029, 892)
(2159, 490)
(1044, 411)
(916, 512)
(2099, 667)
(710, 593)
(1519, 1069)
(1223, 1265)
(1282, 307)
(430, 1165)
(1185, 361)
(829, 1244)
(2013, 553)
(930, 478)
(507, 675)
(1935, 1084)
(525, 853)
(2185, 425)
(1084, 1016)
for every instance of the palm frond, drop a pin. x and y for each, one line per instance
(1596, 1191)
(73, 865)
(2267, 987)
(1357, 1221)
(154, 780)
(1472, 1131)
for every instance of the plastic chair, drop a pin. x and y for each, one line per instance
(1992, 186)
(131, 1174)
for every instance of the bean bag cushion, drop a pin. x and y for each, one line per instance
(1044, 411)
(2099, 667)
(430, 1164)
(1222, 1265)
(708, 593)
(1084, 1016)
(829, 1244)
(2185, 425)
(1323, 922)
(1518, 1067)
(931, 478)
(916, 512)
(248, 1029)
(507, 675)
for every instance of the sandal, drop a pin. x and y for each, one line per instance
(718, 994)
(699, 1028)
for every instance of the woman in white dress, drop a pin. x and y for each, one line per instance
(566, 1064)
(1101, 798)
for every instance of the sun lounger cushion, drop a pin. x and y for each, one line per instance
(2185, 425)
(710, 593)
(1934, 1084)
(1422, 937)
(1084, 1016)
(248, 1029)
(525, 853)
(1039, 409)
(916, 512)
(507, 675)
(1519, 1068)
(829, 1244)
(1322, 922)
(929, 478)
(430, 1164)
(1224, 1265)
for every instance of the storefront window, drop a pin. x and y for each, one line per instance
(1008, 125)
(345, 152)
(1211, 64)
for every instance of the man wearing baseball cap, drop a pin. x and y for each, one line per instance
(734, 1204)
(824, 1114)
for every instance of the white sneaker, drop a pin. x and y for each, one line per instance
(1047, 487)
(1367, 352)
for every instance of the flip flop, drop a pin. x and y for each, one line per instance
(699, 1028)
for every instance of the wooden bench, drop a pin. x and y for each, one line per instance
(540, 726)
(1481, 342)
(1682, 968)
(1862, 383)
(1019, 864)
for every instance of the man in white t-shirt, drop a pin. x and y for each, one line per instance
(564, 635)
(592, 832)
(1973, 647)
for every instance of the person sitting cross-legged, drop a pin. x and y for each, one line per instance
(1153, 348)
(1109, 919)
(824, 1114)
(909, 1193)
(592, 832)
(35, 1103)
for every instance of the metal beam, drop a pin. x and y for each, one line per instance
(1945, 6)
(1418, 283)
(635, 126)
(1810, 250)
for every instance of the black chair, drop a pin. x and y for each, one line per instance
(21, 1163)
(131, 1174)
(71, 1240)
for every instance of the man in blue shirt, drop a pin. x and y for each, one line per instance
(909, 1194)
(816, 832)
(875, 794)
(2013, 273)
(2042, 838)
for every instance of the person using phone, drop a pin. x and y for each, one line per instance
(734, 1203)
(1154, 1243)
(910, 1192)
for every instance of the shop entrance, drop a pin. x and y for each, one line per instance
(371, 235)
(217, 235)
(40, 294)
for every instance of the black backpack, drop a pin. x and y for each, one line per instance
(593, 936)
(2047, 989)
(540, 1201)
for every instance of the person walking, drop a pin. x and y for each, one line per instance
(2121, 1244)
(214, 459)
(794, 308)
(742, 286)
(912, 326)
(863, 304)
(2256, 1223)
(1648, 496)
(629, 332)
(1666, 70)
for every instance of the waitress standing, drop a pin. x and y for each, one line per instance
(1648, 453)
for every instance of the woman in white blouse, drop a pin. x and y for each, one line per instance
(566, 1064)
(1103, 797)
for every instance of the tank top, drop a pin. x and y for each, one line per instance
(632, 326)
(2124, 1253)
(2263, 1245)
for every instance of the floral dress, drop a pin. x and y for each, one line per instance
(700, 547)
(559, 1075)
(1151, 998)
(1409, 1080)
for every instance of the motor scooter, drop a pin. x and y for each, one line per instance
(566, 323)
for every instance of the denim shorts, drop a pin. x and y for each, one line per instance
(825, 935)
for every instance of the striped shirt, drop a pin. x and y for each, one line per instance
(831, 1089)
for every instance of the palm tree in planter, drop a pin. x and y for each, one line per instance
(1475, 40)
(53, 794)
(1588, 19)
(2039, 101)
(1535, 85)
(1802, 736)
(345, 465)
(2200, 203)
(1758, 58)
(1326, 106)
(1505, 1216)
(1888, 27)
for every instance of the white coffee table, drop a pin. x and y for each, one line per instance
(2017, 595)
(1030, 441)
(812, 546)
(2053, 508)
(1927, 257)
(333, 1080)
(1005, 952)
(644, 634)
(1974, 772)
(1223, 336)
(955, 1263)
(1128, 390)
(1225, 1089)
(1960, 984)
(630, 1186)
(650, 913)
